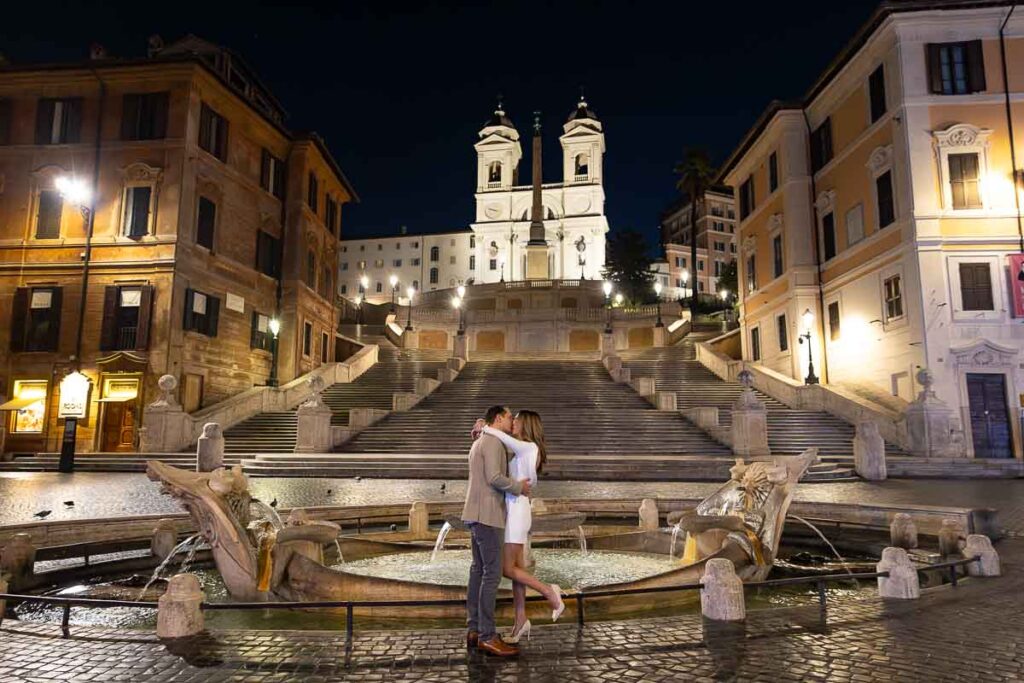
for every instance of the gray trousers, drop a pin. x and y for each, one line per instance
(484, 577)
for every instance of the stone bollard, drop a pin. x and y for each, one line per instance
(404, 400)
(461, 347)
(613, 364)
(426, 385)
(210, 449)
(949, 537)
(419, 520)
(456, 364)
(446, 375)
(749, 426)
(607, 344)
(902, 581)
(649, 514)
(903, 531)
(178, 613)
(645, 386)
(18, 560)
(665, 401)
(622, 375)
(980, 545)
(165, 538)
(869, 452)
(721, 593)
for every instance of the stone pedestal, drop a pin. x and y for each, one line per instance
(649, 514)
(314, 429)
(456, 364)
(361, 418)
(446, 375)
(721, 593)
(410, 339)
(178, 614)
(622, 375)
(660, 336)
(749, 421)
(419, 520)
(932, 429)
(903, 531)
(461, 350)
(949, 537)
(165, 538)
(869, 452)
(405, 400)
(607, 345)
(210, 448)
(426, 386)
(902, 582)
(979, 545)
(612, 363)
(703, 416)
(18, 560)
(166, 427)
(665, 401)
(537, 262)
(645, 386)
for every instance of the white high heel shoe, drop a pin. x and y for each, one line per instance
(524, 631)
(557, 612)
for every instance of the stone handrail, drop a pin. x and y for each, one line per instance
(796, 394)
(167, 428)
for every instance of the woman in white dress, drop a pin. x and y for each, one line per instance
(527, 445)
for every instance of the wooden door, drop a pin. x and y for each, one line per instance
(192, 392)
(990, 416)
(118, 427)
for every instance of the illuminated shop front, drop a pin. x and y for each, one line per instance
(27, 407)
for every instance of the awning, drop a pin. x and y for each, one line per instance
(116, 399)
(19, 403)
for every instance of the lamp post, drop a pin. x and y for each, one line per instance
(275, 328)
(657, 293)
(808, 320)
(462, 309)
(607, 288)
(410, 292)
(359, 309)
(393, 280)
(685, 276)
(457, 305)
(501, 263)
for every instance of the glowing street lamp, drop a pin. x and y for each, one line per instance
(410, 292)
(657, 293)
(808, 320)
(393, 281)
(461, 290)
(274, 325)
(457, 305)
(74, 191)
(607, 288)
(359, 309)
(685, 277)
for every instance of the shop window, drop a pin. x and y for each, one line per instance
(29, 403)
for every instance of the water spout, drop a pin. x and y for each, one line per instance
(815, 529)
(341, 558)
(439, 543)
(166, 561)
(676, 530)
(269, 513)
(583, 539)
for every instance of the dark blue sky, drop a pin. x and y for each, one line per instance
(399, 89)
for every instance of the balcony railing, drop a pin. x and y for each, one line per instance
(126, 337)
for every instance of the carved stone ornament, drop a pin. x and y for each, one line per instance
(985, 353)
(749, 244)
(775, 222)
(880, 159)
(825, 201)
(167, 384)
(963, 135)
(140, 172)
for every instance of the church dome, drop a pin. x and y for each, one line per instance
(582, 111)
(499, 118)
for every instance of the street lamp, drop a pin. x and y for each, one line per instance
(275, 327)
(808, 320)
(502, 264)
(607, 288)
(685, 276)
(410, 292)
(461, 289)
(657, 293)
(359, 309)
(74, 191)
(457, 305)
(393, 280)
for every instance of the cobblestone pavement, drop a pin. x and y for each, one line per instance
(104, 495)
(965, 634)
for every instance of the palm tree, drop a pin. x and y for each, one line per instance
(695, 175)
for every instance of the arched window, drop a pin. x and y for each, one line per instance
(582, 166)
(416, 285)
(551, 215)
(435, 254)
(494, 172)
(433, 276)
(311, 269)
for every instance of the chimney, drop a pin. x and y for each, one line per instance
(97, 51)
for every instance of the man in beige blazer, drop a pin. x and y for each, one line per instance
(484, 514)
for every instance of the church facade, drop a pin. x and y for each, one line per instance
(494, 248)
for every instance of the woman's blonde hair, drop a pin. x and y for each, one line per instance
(533, 431)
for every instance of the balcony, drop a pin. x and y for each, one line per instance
(126, 337)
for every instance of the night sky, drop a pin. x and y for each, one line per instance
(399, 89)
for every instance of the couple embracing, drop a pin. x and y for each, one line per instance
(497, 512)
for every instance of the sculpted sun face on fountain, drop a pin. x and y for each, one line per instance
(226, 482)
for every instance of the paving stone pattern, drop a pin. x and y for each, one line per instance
(965, 634)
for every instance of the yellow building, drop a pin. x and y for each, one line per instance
(199, 236)
(887, 203)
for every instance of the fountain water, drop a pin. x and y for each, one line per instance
(439, 543)
(167, 560)
(190, 557)
(583, 539)
(270, 513)
(815, 529)
(676, 530)
(341, 558)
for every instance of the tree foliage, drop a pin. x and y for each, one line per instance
(728, 279)
(695, 176)
(628, 265)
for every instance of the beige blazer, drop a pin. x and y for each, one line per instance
(488, 482)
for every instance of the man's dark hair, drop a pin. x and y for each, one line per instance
(493, 413)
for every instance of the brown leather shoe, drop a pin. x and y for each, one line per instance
(497, 647)
(472, 638)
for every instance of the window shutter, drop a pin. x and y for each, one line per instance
(145, 314)
(205, 120)
(222, 139)
(277, 248)
(212, 315)
(53, 336)
(48, 218)
(934, 53)
(265, 170)
(19, 312)
(108, 328)
(160, 102)
(71, 129)
(44, 121)
(259, 251)
(279, 179)
(130, 117)
(139, 215)
(975, 66)
(252, 330)
(189, 322)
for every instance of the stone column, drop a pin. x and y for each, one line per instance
(178, 613)
(649, 514)
(869, 452)
(949, 537)
(419, 520)
(902, 581)
(749, 421)
(979, 545)
(18, 560)
(461, 350)
(721, 593)
(607, 344)
(210, 448)
(931, 427)
(313, 418)
(903, 531)
(166, 427)
(165, 538)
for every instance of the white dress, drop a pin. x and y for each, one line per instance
(523, 465)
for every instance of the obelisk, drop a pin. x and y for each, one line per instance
(537, 247)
